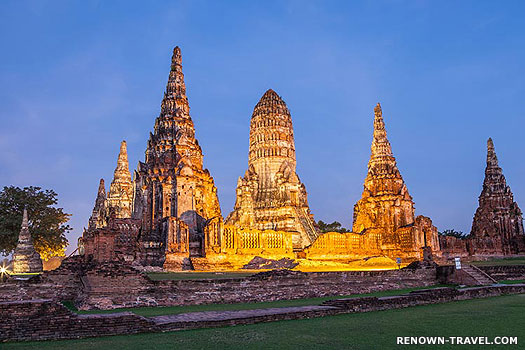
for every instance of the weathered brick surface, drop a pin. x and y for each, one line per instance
(46, 319)
(505, 272)
(109, 290)
(111, 285)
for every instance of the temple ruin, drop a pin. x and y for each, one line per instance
(384, 215)
(271, 196)
(497, 227)
(26, 259)
(175, 197)
(169, 216)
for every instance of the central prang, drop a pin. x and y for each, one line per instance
(271, 196)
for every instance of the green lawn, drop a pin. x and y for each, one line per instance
(512, 281)
(499, 262)
(158, 276)
(170, 310)
(499, 316)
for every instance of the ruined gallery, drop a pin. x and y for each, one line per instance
(168, 215)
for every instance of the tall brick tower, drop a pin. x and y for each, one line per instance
(271, 195)
(497, 227)
(175, 196)
(385, 212)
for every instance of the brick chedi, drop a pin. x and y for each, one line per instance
(175, 197)
(497, 228)
(26, 259)
(120, 196)
(271, 196)
(112, 234)
(385, 212)
(98, 215)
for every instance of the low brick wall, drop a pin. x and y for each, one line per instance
(112, 285)
(46, 319)
(60, 284)
(505, 272)
(105, 289)
(423, 297)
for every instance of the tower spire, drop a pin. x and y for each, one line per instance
(97, 218)
(122, 170)
(492, 159)
(25, 223)
(175, 101)
(380, 144)
(101, 189)
(121, 188)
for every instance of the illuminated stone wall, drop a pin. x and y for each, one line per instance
(256, 242)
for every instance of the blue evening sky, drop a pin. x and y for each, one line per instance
(77, 77)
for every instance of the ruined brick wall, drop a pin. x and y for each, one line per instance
(505, 272)
(63, 283)
(118, 240)
(46, 319)
(453, 247)
(111, 284)
(113, 291)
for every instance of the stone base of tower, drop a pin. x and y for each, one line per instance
(297, 221)
(26, 260)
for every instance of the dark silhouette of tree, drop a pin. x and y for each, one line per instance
(454, 233)
(333, 227)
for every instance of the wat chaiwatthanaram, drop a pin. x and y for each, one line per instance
(166, 214)
(159, 256)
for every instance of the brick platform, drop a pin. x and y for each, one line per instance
(46, 319)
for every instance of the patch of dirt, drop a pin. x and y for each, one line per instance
(259, 263)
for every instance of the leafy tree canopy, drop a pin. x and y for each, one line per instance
(47, 224)
(453, 233)
(333, 227)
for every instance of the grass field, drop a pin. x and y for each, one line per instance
(499, 316)
(511, 281)
(170, 310)
(499, 262)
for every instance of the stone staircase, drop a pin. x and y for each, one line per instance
(478, 275)
(307, 224)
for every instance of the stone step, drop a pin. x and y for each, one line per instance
(478, 275)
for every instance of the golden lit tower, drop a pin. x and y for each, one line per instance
(271, 195)
(385, 212)
(121, 189)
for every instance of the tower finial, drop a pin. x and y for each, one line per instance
(25, 221)
(377, 110)
(102, 188)
(176, 59)
(175, 100)
(492, 159)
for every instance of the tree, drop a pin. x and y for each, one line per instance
(453, 233)
(47, 224)
(333, 227)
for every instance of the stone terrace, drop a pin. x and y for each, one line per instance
(46, 319)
